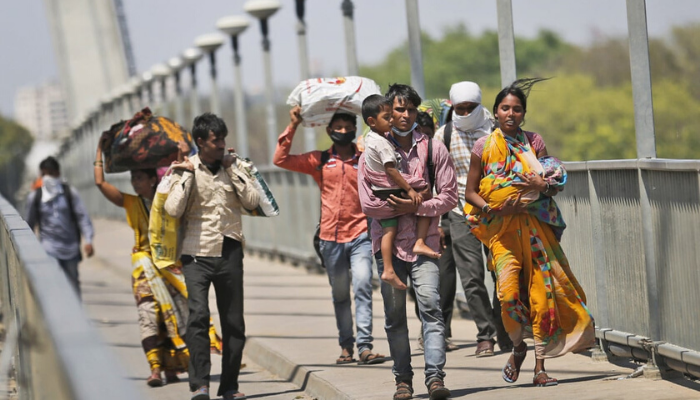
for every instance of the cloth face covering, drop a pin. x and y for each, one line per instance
(402, 134)
(479, 117)
(50, 188)
(342, 139)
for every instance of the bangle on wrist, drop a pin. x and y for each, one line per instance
(98, 163)
(486, 208)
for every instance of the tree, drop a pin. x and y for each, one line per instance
(15, 143)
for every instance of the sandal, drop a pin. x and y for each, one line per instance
(513, 365)
(155, 379)
(437, 389)
(541, 379)
(367, 357)
(404, 391)
(345, 359)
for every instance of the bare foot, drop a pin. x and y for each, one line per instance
(391, 278)
(422, 249)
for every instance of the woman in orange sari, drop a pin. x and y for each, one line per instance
(511, 210)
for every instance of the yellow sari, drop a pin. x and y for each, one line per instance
(539, 294)
(161, 298)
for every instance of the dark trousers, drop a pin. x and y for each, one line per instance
(448, 282)
(466, 249)
(226, 273)
(70, 268)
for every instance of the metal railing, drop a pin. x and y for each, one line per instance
(632, 230)
(55, 352)
(631, 240)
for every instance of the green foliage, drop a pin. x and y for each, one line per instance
(459, 56)
(15, 143)
(586, 111)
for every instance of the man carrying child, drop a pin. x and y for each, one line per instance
(412, 147)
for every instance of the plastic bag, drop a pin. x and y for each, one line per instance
(267, 207)
(320, 98)
(145, 141)
(163, 230)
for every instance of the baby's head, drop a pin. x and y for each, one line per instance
(376, 112)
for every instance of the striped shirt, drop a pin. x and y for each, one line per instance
(461, 144)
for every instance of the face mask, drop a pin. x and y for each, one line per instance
(404, 134)
(342, 139)
(50, 188)
(470, 122)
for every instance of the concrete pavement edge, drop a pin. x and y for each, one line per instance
(300, 375)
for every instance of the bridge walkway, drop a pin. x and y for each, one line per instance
(292, 342)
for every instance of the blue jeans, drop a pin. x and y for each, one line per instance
(425, 276)
(346, 262)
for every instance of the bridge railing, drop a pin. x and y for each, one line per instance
(631, 240)
(55, 352)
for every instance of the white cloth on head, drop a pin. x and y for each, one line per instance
(465, 91)
(50, 188)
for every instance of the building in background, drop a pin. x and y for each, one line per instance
(42, 110)
(92, 50)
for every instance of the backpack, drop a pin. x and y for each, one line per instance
(325, 156)
(36, 205)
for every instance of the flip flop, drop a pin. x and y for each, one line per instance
(518, 358)
(368, 358)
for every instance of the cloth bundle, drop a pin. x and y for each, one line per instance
(162, 228)
(320, 98)
(267, 207)
(145, 141)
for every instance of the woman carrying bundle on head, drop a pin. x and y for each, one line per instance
(160, 293)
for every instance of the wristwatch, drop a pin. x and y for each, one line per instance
(486, 208)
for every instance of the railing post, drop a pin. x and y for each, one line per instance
(414, 45)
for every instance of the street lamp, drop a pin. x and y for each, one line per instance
(136, 100)
(161, 72)
(191, 56)
(417, 76)
(350, 47)
(309, 133)
(176, 64)
(233, 26)
(147, 83)
(262, 10)
(208, 44)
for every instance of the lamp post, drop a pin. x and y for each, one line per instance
(147, 82)
(176, 66)
(417, 75)
(350, 47)
(160, 73)
(136, 100)
(263, 10)
(309, 133)
(191, 56)
(208, 44)
(233, 26)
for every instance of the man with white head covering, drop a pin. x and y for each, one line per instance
(470, 121)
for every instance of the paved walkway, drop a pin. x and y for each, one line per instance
(292, 343)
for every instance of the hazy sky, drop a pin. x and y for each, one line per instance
(160, 29)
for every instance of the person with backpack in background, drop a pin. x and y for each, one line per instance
(58, 211)
(469, 122)
(345, 246)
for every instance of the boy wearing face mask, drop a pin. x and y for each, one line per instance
(387, 179)
(470, 121)
(345, 245)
